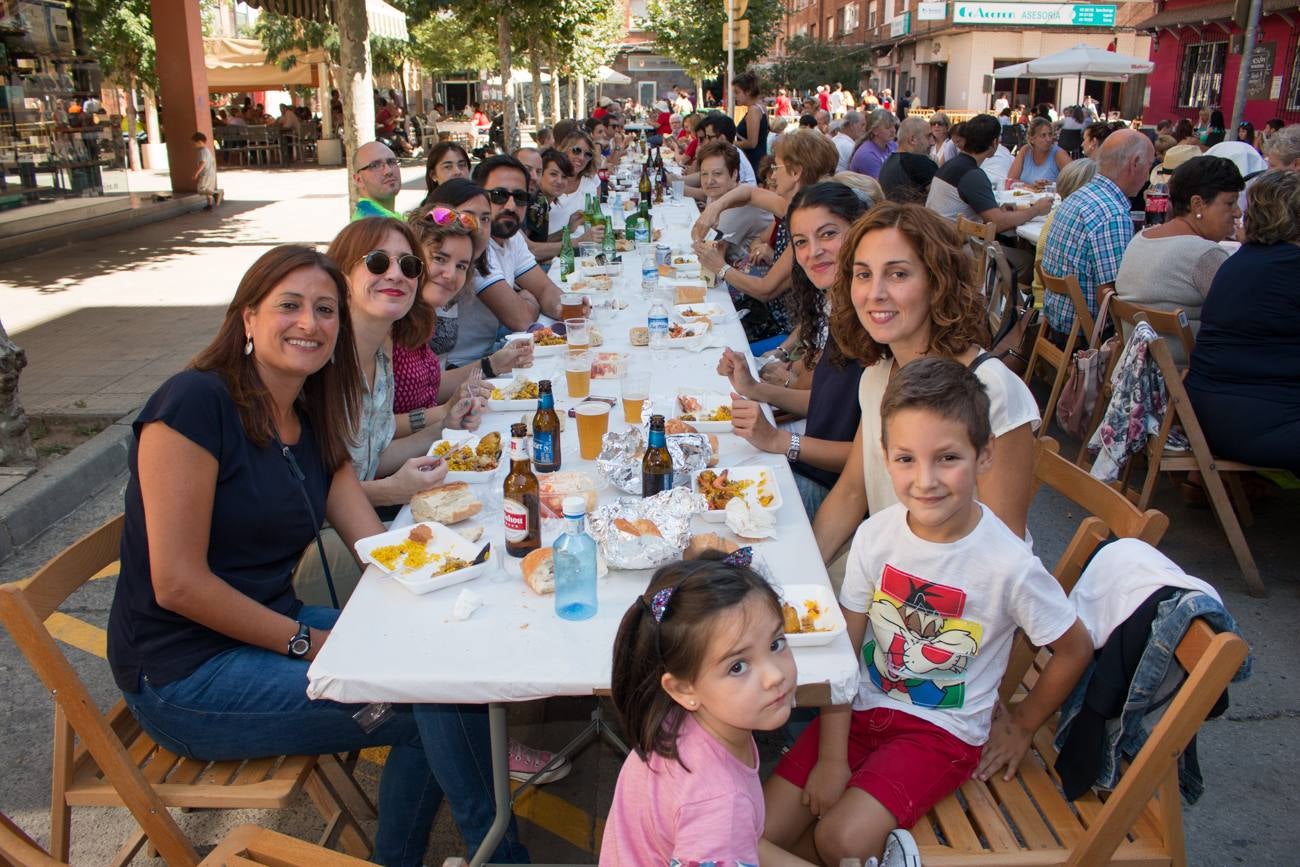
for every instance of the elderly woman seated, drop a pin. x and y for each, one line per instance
(1244, 378)
(1172, 265)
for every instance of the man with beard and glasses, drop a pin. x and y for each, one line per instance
(505, 181)
(378, 177)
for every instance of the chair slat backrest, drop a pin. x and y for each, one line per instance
(1068, 286)
(1211, 659)
(24, 606)
(971, 231)
(1169, 324)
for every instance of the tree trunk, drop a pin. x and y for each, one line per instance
(356, 84)
(151, 117)
(555, 92)
(699, 93)
(15, 438)
(132, 146)
(510, 128)
(582, 96)
(535, 67)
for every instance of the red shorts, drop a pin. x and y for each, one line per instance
(904, 762)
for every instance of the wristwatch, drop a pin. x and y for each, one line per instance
(486, 364)
(722, 272)
(417, 419)
(300, 644)
(792, 453)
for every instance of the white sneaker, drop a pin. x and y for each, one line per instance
(526, 762)
(900, 850)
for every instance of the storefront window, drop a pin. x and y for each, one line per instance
(1201, 82)
(1293, 93)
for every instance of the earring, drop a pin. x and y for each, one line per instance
(1198, 216)
(248, 347)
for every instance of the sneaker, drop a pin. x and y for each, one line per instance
(900, 850)
(525, 762)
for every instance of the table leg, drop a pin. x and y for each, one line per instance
(500, 784)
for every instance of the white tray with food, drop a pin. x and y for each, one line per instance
(469, 458)
(512, 395)
(706, 411)
(689, 335)
(757, 486)
(546, 342)
(423, 557)
(598, 281)
(694, 312)
(811, 613)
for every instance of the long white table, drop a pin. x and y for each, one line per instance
(391, 645)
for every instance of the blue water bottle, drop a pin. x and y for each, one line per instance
(575, 565)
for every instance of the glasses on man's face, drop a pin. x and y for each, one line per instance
(390, 163)
(580, 152)
(377, 262)
(500, 195)
(447, 216)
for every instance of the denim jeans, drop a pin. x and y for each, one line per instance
(248, 703)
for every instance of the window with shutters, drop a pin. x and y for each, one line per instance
(1200, 83)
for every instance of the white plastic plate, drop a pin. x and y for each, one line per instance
(445, 542)
(765, 483)
(509, 405)
(471, 441)
(710, 402)
(830, 622)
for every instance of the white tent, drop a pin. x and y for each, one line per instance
(520, 75)
(1082, 60)
(606, 75)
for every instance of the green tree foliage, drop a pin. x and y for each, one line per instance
(120, 34)
(809, 62)
(283, 35)
(690, 32)
(449, 40)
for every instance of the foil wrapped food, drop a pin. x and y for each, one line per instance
(619, 460)
(671, 513)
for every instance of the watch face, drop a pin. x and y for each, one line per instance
(300, 646)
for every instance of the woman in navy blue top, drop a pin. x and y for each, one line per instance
(1244, 376)
(236, 463)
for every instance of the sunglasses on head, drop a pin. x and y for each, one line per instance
(377, 262)
(447, 216)
(499, 195)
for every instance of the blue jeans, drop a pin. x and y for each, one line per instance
(248, 703)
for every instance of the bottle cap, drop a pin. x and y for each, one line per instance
(575, 507)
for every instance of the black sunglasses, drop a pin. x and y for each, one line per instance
(377, 262)
(580, 152)
(499, 195)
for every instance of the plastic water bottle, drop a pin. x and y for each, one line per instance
(649, 279)
(575, 565)
(657, 324)
(616, 210)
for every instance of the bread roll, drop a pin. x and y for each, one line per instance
(539, 571)
(717, 449)
(648, 528)
(703, 542)
(639, 336)
(677, 426)
(445, 504)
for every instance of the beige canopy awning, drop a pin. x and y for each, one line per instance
(236, 65)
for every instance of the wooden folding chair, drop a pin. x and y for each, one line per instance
(18, 849)
(251, 846)
(1001, 294)
(1028, 821)
(1159, 458)
(116, 764)
(971, 230)
(1047, 352)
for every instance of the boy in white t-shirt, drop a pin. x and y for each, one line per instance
(934, 590)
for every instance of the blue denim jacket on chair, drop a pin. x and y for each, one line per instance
(1157, 679)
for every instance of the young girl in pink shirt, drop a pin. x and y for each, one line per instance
(700, 662)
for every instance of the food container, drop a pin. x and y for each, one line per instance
(511, 404)
(550, 336)
(424, 579)
(439, 449)
(608, 365)
(691, 312)
(554, 487)
(693, 336)
(765, 485)
(829, 622)
(709, 402)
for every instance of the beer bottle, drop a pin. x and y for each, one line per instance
(610, 244)
(522, 506)
(644, 187)
(566, 253)
(657, 465)
(546, 431)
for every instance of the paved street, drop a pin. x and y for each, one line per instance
(104, 322)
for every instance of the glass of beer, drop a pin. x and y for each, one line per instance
(636, 391)
(577, 331)
(577, 373)
(593, 422)
(570, 305)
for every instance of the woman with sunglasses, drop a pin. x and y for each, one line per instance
(447, 160)
(487, 303)
(583, 158)
(385, 275)
(207, 639)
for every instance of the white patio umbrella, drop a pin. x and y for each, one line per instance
(1082, 60)
(606, 75)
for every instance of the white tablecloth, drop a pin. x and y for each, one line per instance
(392, 645)
(1031, 230)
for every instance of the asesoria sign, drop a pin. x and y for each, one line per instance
(1041, 14)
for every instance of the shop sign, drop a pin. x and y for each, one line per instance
(1041, 14)
(931, 11)
(900, 25)
(1260, 72)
